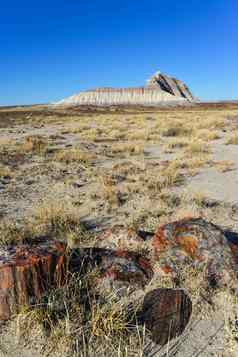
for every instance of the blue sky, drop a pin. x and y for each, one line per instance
(52, 49)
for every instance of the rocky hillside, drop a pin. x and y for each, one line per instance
(159, 89)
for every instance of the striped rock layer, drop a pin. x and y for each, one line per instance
(158, 90)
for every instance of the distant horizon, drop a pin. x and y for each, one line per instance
(164, 104)
(51, 51)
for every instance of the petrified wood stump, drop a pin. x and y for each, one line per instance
(166, 313)
(26, 272)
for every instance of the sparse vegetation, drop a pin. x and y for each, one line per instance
(74, 155)
(76, 322)
(91, 170)
(224, 165)
(233, 140)
(133, 149)
(5, 171)
(206, 135)
(175, 143)
(35, 144)
(198, 147)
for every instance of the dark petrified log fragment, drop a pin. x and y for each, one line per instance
(232, 238)
(166, 313)
(26, 272)
(116, 268)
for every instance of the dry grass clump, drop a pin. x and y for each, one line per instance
(174, 127)
(233, 140)
(5, 171)
(109, 193)
(226, 302)
(74, 155)
(163, 179)
(115, 134)
(175, 143)
(133, 149)
(73, 320)
(188, 163)
(206, 135)
(58, 214)
(35, 144)
(91, 134)
(175, 131)
(197, 147)
(200, 199)
(224, 165)
(211, 121)
(128, 167)
(62, 220)
(77, 129)
(13, 233)
(142, 134)
(52, 219)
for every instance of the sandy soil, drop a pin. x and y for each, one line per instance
(104, 195)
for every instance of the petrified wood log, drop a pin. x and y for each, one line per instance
(166, 313)
(193, 242)
(117, 269)
(26, 272)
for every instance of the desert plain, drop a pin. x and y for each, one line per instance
(71, 173)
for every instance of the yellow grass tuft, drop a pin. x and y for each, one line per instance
(74, 155)
(206, 135)
(233, 140)
(133, 149)
(36, 144)
(198, 147)
(5, 171)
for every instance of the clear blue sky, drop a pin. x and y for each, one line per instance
(52, 49)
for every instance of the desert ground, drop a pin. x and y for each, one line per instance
(72, 173)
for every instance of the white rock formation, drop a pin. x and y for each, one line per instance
(159, 89)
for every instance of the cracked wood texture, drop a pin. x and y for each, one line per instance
(26, 272)
(166, 313)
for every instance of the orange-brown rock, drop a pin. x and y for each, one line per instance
(166, 313)
(193, 242)
(26, 272)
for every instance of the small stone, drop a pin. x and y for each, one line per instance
(78, 184)
(30, 182)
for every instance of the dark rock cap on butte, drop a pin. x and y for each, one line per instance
(170, 85)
